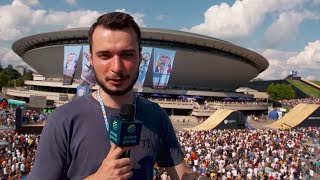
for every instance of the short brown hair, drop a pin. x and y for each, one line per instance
(115, 21)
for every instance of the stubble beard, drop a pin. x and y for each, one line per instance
(117, 92)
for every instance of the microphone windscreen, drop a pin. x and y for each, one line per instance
(127, 112)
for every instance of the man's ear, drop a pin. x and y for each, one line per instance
(90, 59)
(140, 57)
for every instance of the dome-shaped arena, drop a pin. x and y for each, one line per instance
(200, 62)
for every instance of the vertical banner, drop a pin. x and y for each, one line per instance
(87, 73)
(82, 90)
(71, 57)
(162, 67)
(146, 55)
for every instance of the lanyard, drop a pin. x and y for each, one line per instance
(103, 109)
(104, 113)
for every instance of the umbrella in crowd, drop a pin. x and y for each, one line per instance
(244, 99)
(197, 97)
(155, 95)
(165, 96)
(228, 99)
(183, 97)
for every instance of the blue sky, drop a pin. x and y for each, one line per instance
(286, 32)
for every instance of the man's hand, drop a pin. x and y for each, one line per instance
(181, 171)
(112, 167)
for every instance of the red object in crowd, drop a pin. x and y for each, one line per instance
(193, 155)
(3, 104)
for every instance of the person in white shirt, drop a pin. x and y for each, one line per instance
(224, 177)
(234, 172)
(195, 162)
(228, 174)
(13, 168)
(234, 154)
(164, 176)
(311, 173)
(5, 170)
(255, 172)
(250, 170)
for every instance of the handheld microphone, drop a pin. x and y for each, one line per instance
(125, 130)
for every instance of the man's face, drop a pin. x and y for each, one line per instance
(115, 58)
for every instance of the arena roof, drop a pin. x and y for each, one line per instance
(200, 60)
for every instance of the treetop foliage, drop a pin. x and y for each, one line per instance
(10, 77)
(281, 91)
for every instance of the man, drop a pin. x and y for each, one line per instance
(74, 142)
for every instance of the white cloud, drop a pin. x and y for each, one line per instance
(306, 62)
(18, 19)
(75, 19)
(309, 58)
(286, 27)
(71, 2)
(27, 2)
(32, 2)
(161, 17)
(138, 17)
(239, 20)
(13, 18)
(7, 56)
(312, 77)
(278, 67)
(316, 2)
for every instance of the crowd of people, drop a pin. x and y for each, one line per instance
(257, 118)
(32, 116)
(18, 155)
(251, 154)
(172, 99)
(217, 154)
(247, 102)
(17, 151)
(294, 102)
(7, 116)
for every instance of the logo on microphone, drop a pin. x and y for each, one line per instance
(115, 125)
(131, 128)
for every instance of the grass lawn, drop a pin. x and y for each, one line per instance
(307, 89)
(316, 82)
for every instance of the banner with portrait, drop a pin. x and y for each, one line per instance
(143, 68)
(87, 74)
(71, 57)
(82, 90)
(162, 67)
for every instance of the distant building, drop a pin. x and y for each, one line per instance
(293, 75)
(203, 66)
(38, 77)
(256, 94)
(22, 70)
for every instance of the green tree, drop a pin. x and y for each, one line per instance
(9, 76)
(3, 79)
(16, 82)
(11, 73)
(280, 91)
(28, 75)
